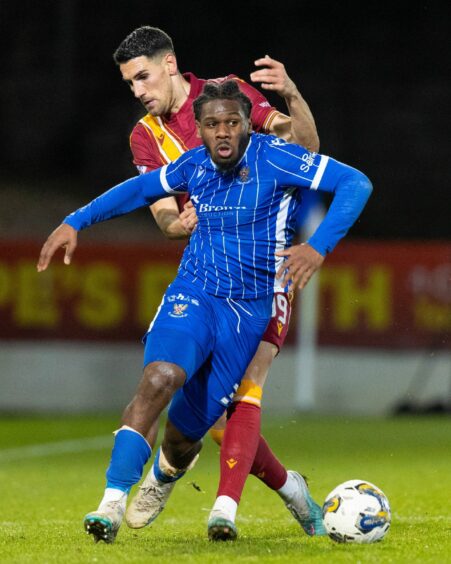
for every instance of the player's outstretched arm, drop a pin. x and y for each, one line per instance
(299, 127)
(64, 237)
(123, 198)
(300, 265)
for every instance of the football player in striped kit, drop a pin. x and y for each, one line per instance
(245, 187)
(147, 62)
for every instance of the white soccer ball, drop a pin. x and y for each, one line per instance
(356, 511)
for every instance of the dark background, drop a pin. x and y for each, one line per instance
(375, 75)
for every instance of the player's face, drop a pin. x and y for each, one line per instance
(224, 130)
(150, 81)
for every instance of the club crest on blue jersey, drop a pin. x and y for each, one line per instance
(244, 174)
(179, 310)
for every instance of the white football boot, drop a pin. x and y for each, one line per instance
(149, 502)
(153, 495)
(303, 508)
(104, 523)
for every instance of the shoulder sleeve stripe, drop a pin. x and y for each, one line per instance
(269, 119)
(164, 181)
(319, 173)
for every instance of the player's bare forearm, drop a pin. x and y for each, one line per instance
(64, 237)
(300, 126)
(188, 217)
(302, 261)
(167, 217)
(170, 225)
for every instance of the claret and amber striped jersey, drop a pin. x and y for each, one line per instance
(156, 141)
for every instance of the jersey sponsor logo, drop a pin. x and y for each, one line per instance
(231, 463)
(308, 159)
(182, 298)
(179, 310)
(210, 208)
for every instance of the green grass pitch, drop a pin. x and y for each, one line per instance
(52, 473)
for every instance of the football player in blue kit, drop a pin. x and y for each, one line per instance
(244, 187)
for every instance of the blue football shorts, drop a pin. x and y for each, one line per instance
(213, 339)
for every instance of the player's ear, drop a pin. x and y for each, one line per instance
(171, 63)
(198, 128)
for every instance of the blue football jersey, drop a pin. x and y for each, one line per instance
(245, 215)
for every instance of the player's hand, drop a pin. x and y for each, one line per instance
(302, 263)
(64, 237)
(188, 217)
(273, 76)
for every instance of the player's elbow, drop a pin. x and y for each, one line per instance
(311, 143)
(358, 189)
(365, 186)
(314, 144)
(176, 235)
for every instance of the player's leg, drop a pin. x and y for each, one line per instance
(131, 450)
(176, 455)
(197, 405)
(241, 440)
(185, 334)
(241, 437)
(244, 416)
(152, 434)
(167, 365)
(193, 410)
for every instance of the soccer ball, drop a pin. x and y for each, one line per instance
(356, 511)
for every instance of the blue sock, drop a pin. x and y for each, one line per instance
(160, 475)
(130, 453)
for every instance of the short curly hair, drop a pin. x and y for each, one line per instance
(228, 90)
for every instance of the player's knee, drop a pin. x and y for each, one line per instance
(163, 378)
(260, 365)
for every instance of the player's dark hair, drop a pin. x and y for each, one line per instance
(228, 90)
(144, 41)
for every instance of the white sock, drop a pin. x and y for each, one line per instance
(290, 487)
(226, 505)
(113, 494)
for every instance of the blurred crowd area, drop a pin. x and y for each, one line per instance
(374, 76)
